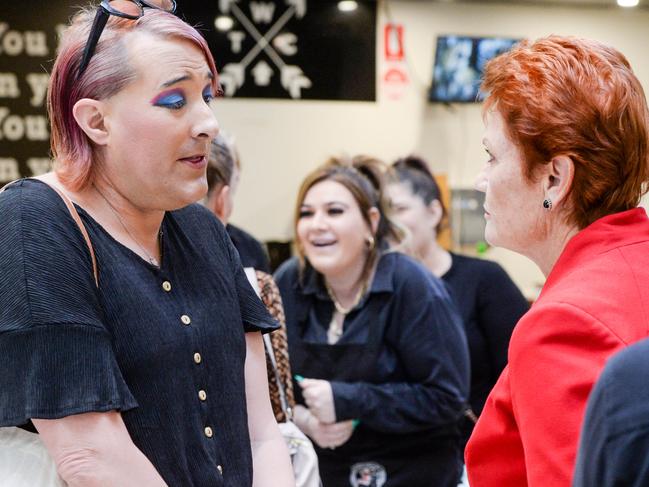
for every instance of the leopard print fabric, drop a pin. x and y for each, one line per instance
(270, 296)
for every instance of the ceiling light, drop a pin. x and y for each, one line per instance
(347, 5)
(223, 23)
(627, 3)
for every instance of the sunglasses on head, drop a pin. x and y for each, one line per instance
(127, 9)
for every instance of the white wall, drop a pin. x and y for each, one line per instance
(280, 141)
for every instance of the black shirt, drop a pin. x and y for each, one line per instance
(421, 379)
(144, 343)
(251, 252)
(614, 444)
(490, 305)
(400, 367)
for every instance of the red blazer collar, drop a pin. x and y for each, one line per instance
(608, 233)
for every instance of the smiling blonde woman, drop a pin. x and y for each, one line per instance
(375, 339)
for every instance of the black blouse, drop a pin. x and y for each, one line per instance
(421, 379)
(490, 305)
(165, 346)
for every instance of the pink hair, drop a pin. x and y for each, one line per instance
(107, 73)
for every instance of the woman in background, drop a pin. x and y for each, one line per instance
(376, 338)
(489, 302)
(567, 142)
(223, 174)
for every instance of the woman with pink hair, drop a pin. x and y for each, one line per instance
(135, 354)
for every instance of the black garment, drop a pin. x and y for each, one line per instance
(131, 345)
(251, 252)
(490, 305)
(614, 444)
(400, 367)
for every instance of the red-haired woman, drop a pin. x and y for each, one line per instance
(143, 374)
(567, 141)
(375, 336)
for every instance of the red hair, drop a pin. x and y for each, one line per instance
(578, 98)
(108, 72)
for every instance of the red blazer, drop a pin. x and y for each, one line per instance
(594, 302)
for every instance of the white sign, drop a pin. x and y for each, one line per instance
(275, 44)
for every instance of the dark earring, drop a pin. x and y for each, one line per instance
(547, 204)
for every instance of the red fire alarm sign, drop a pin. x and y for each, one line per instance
(393, 42)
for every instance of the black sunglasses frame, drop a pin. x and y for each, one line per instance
(104, 11)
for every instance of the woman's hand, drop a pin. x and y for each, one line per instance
(324, 435)
(320, 399)
(331, 435)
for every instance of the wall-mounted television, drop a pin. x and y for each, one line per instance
(459, 61)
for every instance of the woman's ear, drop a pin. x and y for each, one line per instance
(89, 115)
(375, 217)
(558, 179)
(218, 202)
(436, 212)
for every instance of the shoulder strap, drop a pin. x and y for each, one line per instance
(280, 387)
(288, 412)
(77, 219)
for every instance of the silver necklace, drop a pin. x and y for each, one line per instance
(152, 260)
(335, 330)
(339, 307)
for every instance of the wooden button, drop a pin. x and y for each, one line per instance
(202, 395)
(208, 432)
(166, 286)
(197, 358)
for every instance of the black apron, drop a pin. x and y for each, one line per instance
(370, 458)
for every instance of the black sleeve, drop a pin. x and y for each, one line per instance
(615, 434)
(254, 314)
(57, 355)
(500, 306)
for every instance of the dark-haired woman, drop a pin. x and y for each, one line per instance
(489, 302)
(376, 338)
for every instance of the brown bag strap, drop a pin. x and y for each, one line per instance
(77, 219)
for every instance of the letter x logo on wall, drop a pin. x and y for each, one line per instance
(233, 75)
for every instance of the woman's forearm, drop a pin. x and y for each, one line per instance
(95, 449)
(97, 468)
(271, 464)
